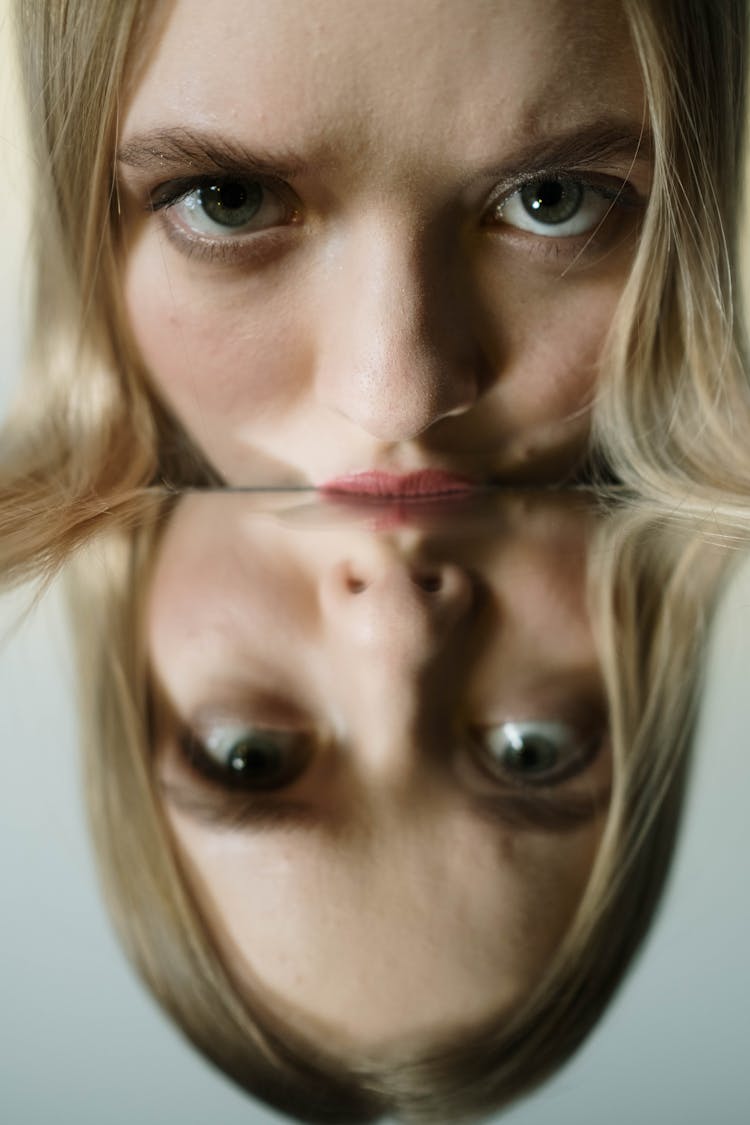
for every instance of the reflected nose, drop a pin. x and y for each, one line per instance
(392, 606)
(392, 622)
(397, 355)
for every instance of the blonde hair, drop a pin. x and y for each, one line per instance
(671, 417)
(85, 433)
(671, 420)
(652, 586)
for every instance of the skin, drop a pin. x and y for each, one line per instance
(384, 309)
(396, 893)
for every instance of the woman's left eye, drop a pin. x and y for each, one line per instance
(555, 207)
(225, 207)
(535, 752)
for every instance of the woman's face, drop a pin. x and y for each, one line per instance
(338, 722)
(383, 237)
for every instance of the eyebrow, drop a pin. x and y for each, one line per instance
(236, 810)
(595, 143)
(599, 142)
(540, 812)
(209, 152)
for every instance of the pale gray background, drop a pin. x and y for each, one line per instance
(80, 1044)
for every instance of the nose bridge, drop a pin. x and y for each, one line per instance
(390, 363)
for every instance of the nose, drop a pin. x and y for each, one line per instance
(391, 622)
(397, 356)
(393, 608)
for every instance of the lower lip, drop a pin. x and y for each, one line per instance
(429, 482)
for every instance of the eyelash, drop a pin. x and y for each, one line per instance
(195, 752)
(252, 245)
(585, 743)
(255, 245)
(619, 198)
(585, 746)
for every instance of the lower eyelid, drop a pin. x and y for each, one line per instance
(252, 248)
(563, 250)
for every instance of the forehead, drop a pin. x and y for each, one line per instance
(309, 70)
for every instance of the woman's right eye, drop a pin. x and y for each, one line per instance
(225, 208)
(249, 757)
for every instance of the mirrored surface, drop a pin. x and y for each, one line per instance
(401, 781)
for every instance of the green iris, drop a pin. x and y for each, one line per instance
(552, 201)
(232, 203)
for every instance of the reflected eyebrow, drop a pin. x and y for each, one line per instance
(207, 152)
(541, 812)
(238, 812)
(234, 811)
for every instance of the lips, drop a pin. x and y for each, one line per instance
(401, 486)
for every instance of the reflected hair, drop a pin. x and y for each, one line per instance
(651, 589)
(671, 416)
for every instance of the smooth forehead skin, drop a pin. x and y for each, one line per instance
(398, 913)
(386, 327)
(384, 65)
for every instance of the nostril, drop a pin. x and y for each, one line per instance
(355, 585)
(429, 581)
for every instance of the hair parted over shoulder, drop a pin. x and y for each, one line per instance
(671, 419)
(652, 584)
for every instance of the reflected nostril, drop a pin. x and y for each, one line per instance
(429, 581)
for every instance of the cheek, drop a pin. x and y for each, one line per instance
(543, 324)
(553, 346)
(219, 350)
(554, 873)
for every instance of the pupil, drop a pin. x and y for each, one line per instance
(233, 202)
(548, 194)
(552, 201)
(230, 195)
(532, 755)
(254, 760)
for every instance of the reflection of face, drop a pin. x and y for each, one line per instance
(381, 236)
(406, 874)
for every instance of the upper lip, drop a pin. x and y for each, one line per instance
(422, 483)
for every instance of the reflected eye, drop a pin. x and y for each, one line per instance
(555, 206)
(225, 207)
(535, 752)
(245, 757)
